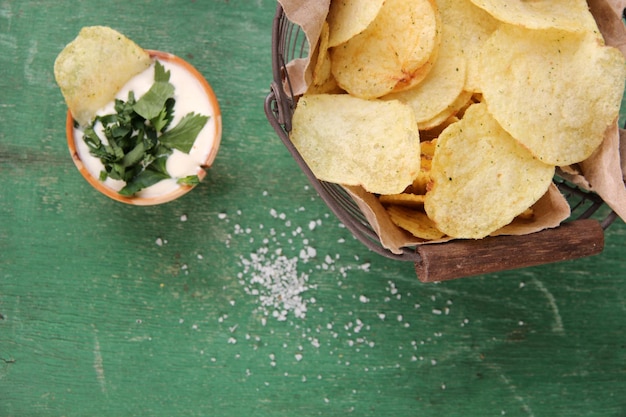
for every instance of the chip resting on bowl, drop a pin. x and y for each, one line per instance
(556, 92)
(482, 177)
(92, 68)
(352, 141)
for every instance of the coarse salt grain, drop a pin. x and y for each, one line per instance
(277, 282)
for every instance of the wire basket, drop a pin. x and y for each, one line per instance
(581, 235)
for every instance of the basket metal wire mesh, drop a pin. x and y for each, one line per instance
(289, 43)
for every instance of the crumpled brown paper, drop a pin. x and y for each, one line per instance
(602, 173)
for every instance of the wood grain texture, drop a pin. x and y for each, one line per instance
(467, 258)
(111, 310)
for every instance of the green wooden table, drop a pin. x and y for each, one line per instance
(112, 310)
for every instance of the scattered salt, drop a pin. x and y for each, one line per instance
(278, 283)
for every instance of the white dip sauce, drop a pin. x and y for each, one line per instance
(190, 97)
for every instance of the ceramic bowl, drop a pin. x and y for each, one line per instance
(215, 124)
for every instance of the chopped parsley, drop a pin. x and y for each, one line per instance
(138, 138)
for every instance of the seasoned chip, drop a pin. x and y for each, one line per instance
(482, 177)
(449, 112)
(570, 15)
(395, 51)
(428, 147)
(348, 18)
(472, 26)
(92, 68)
(443, 84)
(351, 141)
(321, 58)
(414, 221)
(403, 199)
(421, 181)
(322, 78)
(554, 91)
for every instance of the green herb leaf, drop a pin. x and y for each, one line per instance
(136, 141)
(189, 180)
(165, 116)
(135, 155)
(142, 180)
(160, 75)
(152, 102)
(184, 134)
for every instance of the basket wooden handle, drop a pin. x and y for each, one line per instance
(457, 259)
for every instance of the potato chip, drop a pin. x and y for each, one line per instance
(443, 84)
(449, 112)
(348, 18)
(415, 222)
(472, 26)
(554, 91)
(92, 68)
(321, 58)
(428, 148)
(403, 199)
(569, 15)
(351, 141)
(482, 177)
(421, 182)
(395, 51)
(322, 78)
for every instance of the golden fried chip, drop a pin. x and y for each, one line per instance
(428, 147)
(321, 59)
(569, 15)
(92, 68)
(415, 222)
(553, 91)
(472, 26)
(421, 182)
(443, 84)
(526, 214)
(322, 81)
(403, 199)
(482, 177)
(348, 18)
(446, 114)
(351, 141)
(396, 50)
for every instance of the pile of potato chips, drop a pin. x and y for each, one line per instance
(455, 113)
